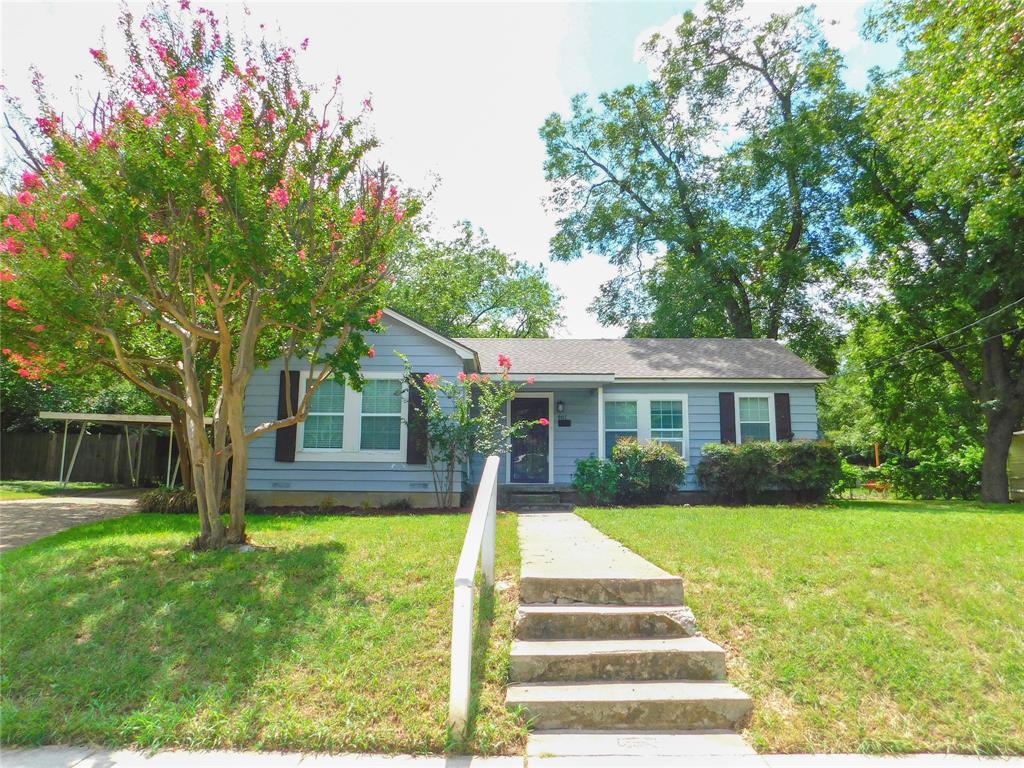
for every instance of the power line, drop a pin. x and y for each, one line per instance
(900, 355)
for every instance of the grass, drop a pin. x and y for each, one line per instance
(336, 639)
(863, 626)
(12, 490)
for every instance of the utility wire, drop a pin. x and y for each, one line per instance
(896, 357)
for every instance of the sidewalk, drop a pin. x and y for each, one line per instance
(85, 757)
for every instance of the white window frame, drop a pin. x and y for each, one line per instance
(771, 414)
(643, 415)
(353, 424)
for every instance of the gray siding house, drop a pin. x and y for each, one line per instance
(355, 447)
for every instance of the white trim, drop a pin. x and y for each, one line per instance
(350, 450)
(643, 415)
(551, 437)
(556, 378)
(771, 414)
(600, 422)
(460, 349)
(711, 380)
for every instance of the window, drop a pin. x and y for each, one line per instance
(754, 418)
(382, 415)
(325, 424)
(667, 423)
(619, 422)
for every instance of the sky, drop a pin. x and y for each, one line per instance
(459, 91)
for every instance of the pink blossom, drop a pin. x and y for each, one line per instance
(67, 256)
(271, 115)
(278, 196)
(154, 238)
(258, 155)
(150, 120)
(5, 276)
(359, 216)
(14, 222)
(72, 220)
(48, 125)
(31, 180)
(10, 245)
(461, 377)
(367, 104)
(543, 422)
(16, 305)
(234, 112)
(531, 380)
(236, 155)
(38, 328)
(50, 160)
(304, 44)
(504, 361)
(431, 379)
(30, 221)
(371, 353)
(98, 54)
(26, 197)
(302, 254)
(474, 377)
(95, 140)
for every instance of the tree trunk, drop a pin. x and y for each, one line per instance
(234, 410)
(1000, 424)
(178, 431)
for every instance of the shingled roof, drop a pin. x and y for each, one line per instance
(646, 358)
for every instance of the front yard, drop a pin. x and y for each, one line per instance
(336, 638)
(863, 626)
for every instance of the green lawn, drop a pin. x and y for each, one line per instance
(865, 626)
(11, 490)
(336, 639)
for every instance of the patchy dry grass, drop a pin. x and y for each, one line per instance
(335, 639)
(864, 626)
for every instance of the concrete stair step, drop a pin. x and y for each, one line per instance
(552, 507)
(534, 498)
(636, 744)
(579, 621)
(679, 658)
(606, 590)
(647, 705)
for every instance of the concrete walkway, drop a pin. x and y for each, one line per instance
(26, 520)
(85, 757)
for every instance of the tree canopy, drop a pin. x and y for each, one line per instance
(715, 187)
(466, 286)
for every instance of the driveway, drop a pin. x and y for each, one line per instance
(26, 520)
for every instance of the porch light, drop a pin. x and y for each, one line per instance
(560, 407)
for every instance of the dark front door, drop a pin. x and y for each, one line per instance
(530, 452)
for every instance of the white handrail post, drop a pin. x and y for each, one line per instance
(490, 534)
(462, 657)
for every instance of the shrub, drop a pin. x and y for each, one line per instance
(168, 501)
(851, 477)
(747, 473)
(647, 471)
(637, 473)
(955, 475)
(596, 481)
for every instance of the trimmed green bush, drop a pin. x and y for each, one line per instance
(805, 470)
(638, 473)
(596, 481)
(954, 475)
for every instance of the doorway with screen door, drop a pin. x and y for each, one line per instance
(529, 459)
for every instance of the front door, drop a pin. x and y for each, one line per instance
(529, 455)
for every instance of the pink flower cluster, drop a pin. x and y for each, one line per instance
(278, 196)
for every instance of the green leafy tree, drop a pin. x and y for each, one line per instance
(715, 188)
(468, 287)
(939, 198)
(209, 197)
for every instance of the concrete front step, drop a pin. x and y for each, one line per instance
(679, 658)
(636, 744)
(602, 590)
(535, 499)
(578, 621)
(533, 508)
(677, 705)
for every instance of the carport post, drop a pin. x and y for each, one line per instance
(63, 453)
(74, 455)
(128, 451)
(170, 450)
(138, 458)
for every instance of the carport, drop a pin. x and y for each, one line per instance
(128, 420)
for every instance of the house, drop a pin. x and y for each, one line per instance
(355, 447)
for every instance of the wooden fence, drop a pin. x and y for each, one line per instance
(102, 458)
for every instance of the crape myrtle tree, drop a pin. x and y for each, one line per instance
(715, 187)
(208, 206)
(939, 196)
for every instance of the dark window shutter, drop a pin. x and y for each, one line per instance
(284, 450)
(783, 420)
(416, 442)
(727, 416)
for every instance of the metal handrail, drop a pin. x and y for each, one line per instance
(478, 548)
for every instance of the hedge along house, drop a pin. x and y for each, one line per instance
(360, 448)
